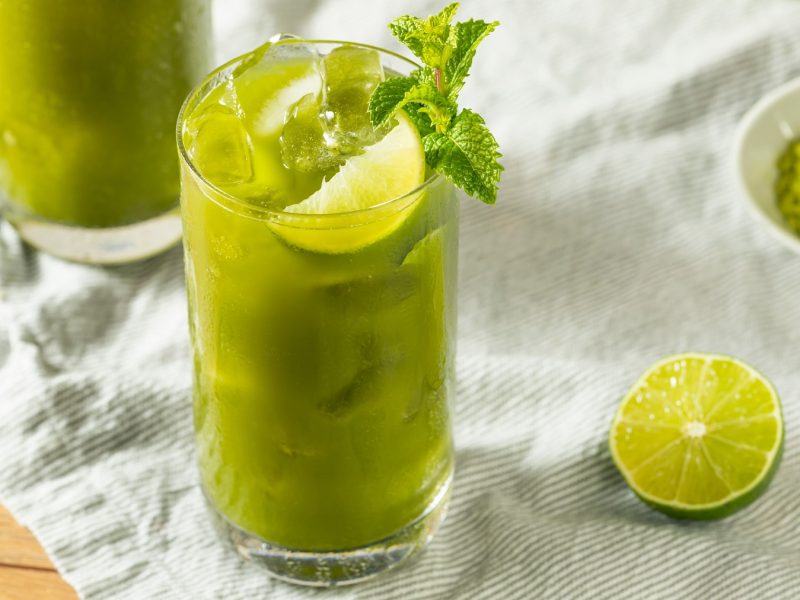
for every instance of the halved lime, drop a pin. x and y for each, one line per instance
(699, 436)
(386, 170)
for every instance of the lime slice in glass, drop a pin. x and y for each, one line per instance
(699, 436)
(389, 169)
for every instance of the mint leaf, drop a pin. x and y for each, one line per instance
(421, 120)
(424, 75)
(407, 30)
(467, 155)
(385, 103)
(468, 35)
(457, 144)
(439, 108)
(386, 99)
(431, 39)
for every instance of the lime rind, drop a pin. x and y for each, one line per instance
(666, 428)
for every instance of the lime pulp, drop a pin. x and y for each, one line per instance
(699, 436)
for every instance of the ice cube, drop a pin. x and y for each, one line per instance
(219, 145)
(258, 193)
(283, 47)
(331, 122)
(275, 76)
(273, 113)
(350, 74)
(373, 292)
(229, 97)
(217, 139)
(303, 146)
(342, 403)
(283, 72)
(427, 251)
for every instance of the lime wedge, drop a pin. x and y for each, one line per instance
(699, 436)
(392, 167)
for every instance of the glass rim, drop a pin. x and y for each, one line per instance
(245, 208)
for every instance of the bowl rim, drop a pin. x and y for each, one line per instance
(745, 126)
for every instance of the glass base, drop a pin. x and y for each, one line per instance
(101, 246)
(333, 568)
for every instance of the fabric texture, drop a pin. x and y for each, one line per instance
(618, 238)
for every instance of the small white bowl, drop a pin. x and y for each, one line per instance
(761, 138)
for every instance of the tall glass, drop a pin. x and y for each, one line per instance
(322, 381)
(89, 93)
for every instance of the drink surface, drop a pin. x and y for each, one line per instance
(89, 94)
(322, 377)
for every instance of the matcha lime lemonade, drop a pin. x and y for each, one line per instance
(89, 94)
(321, 234)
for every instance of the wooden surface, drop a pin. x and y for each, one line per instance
(25, 571)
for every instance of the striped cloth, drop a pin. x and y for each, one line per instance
(618, 238)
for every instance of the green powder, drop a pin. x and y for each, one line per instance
(787, 184)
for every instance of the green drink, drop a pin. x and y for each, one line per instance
(89, 93)
(321, 261)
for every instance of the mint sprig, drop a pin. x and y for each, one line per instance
(457, 143)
